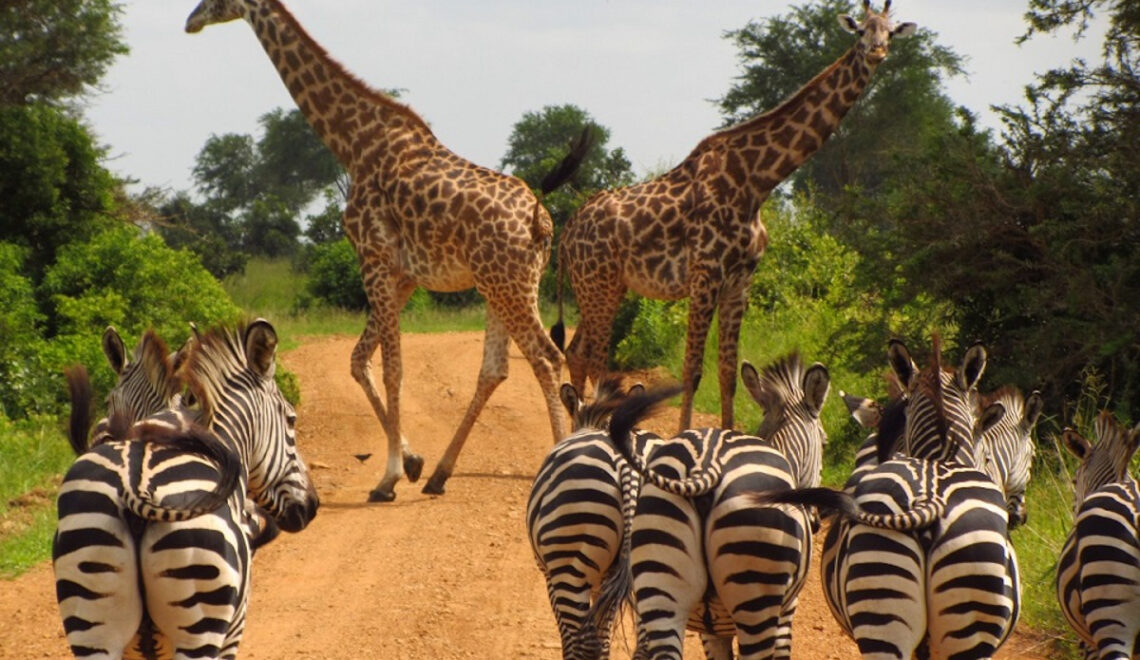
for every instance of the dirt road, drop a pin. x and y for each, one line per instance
(422, 577)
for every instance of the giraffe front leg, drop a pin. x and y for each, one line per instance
(492, 373)
(702, 304)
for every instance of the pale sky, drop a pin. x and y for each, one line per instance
(648, 70)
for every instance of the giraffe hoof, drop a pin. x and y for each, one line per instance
(434, 486)
(382, 495)
(413, 467)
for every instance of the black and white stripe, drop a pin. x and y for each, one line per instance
(1007, 450)
(927, 562)
(578, 517)
(134, 574)
(1098, 575)
(703, 556)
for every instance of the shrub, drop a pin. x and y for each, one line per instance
(334, 276)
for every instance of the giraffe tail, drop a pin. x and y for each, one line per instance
(558, 330)
(568, 166)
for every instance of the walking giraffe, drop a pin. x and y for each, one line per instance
(696, 230)
(417, 215)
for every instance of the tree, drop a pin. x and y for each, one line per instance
(53, 191)
(203, 229)
(54, 49)
(903, 103)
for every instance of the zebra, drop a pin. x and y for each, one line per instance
(147, 381)
(928, 567)
(702, 556)
(1007, 448)
(151, 556)
(1098, 574)
(578, 516)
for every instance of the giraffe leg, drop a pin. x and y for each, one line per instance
(492, 373)
(588, 352)
(382, 329)
(545, 360)
(702, 304)
(733, 303)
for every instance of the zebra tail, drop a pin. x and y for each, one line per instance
(616, 591)
(80, 393)
(641, 406)
(195, 440)
(921, 516)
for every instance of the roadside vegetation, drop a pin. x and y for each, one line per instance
(911, 219)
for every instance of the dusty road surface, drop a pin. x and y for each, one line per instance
(422, 577)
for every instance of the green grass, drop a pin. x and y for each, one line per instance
(33, 453)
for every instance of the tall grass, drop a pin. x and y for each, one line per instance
(33, 453)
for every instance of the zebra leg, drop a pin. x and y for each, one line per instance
(885, 599)
(717, 648)
(195, 576)
(669, 575)
(96, 570)
(491, 374)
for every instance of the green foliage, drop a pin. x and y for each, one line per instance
(205, 230)
(656, 330)
(904, 100)
(289, 385)
(52, 189)
(55, 49)
(334, 276)
(20, 341)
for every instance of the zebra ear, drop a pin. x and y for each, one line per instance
(1034, 406)
(901, 363)
(1075, 443)
(751, 379)
(114, 349)
(1134, 440)
(261, 347)
(973, 366)
(990, 416)
(569, 397)
(866, 411)
(817, 383)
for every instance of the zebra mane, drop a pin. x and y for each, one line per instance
(215, 357)
(595, 415)
(1114, 446)
(781, 383)
(153, 356)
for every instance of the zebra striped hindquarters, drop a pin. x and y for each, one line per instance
(130, 584)
(703, 556)
(578, 517)
(1098, 574)
(921, 555)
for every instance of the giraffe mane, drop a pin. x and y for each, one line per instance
(353, 80)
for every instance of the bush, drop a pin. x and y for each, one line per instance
(334, 276)
(656, 331)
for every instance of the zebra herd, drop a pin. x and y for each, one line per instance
(711, 531)
(195, 466)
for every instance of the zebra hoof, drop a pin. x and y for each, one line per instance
(434, 486)
(382, 495)
(413, 467)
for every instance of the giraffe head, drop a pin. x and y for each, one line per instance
(876, 31)
(209, 12)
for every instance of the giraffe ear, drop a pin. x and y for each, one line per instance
(850, 24)
(903, 30)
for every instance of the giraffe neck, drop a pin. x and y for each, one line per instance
(352, 119)
(766, 149)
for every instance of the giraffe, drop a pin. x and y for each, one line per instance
(417, 215)
(696, 230)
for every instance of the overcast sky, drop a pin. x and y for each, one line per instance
(646, 69)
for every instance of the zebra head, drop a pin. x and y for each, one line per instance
(942, 417)
(1006, 450)
(147, 380)
(1104, 462)
(792, 400)
(230, 375)
(595, 415)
